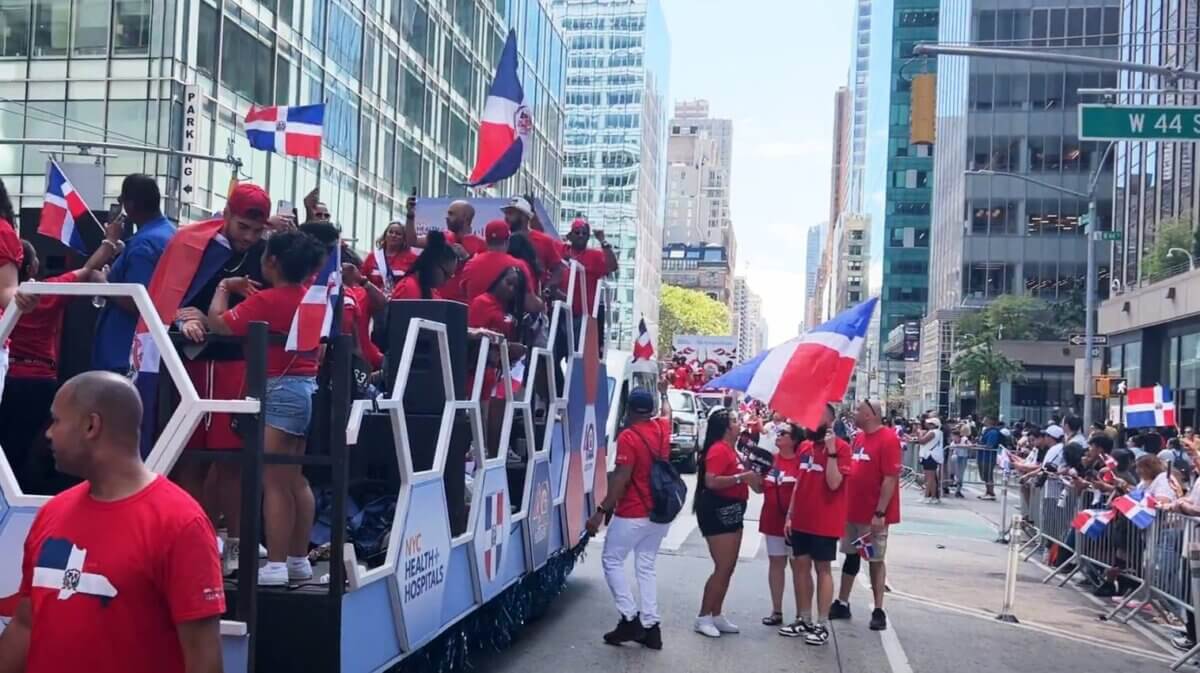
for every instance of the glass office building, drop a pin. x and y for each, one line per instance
(615, 143)
(404, 82)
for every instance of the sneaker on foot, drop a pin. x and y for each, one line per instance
(724, 625)
(817, 635)
(627, 630)
(705, 627)
(1183, 643)
(878, 619)
(839, 610)
(231, 558)
(651, 637)
(299, 569)
(273, 575)
(796, 629)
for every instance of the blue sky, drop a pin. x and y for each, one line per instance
(772, 66)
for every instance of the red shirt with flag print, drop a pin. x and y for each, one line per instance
(875, 455)
(109, 581)
(722, 461)
(595, 267)
(399, 262)
(35, 339)
(777, 494)
(275, 306)
(638, 446)
(816, 510)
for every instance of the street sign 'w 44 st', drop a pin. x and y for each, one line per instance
(1139, 122)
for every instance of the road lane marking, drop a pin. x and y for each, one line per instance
(897, 659)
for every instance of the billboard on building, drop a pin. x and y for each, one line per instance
(912, 341)
(710, 352)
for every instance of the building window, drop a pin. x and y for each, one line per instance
(246, 64)
(854, 250)
(52, 27)
(14, 28)
(985, 280)
(91, 27)
(208, 41)
(856, 234)
(131, 34)
(345, 39)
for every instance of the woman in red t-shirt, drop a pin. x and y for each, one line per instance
(772, 521)
(497, 312)
(722, 488)
(391, 260)
(436, 265)
(11, 255)
(290, 259)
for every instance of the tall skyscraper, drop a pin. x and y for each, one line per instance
(699, 169)
(618, 63)
(812, 260)
(1017, 238)
(404, 90)
(747, 319)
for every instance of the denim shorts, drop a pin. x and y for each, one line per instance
(289, 403)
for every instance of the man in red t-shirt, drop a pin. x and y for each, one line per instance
(629, 502)
(459, 215)
(483, 269)
(597, 263)
(518, 213)
(874, 505)
(816, 519)
(120, 573)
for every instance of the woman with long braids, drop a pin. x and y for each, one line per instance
(433, 268)
(722, 489)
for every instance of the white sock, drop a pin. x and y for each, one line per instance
(806, 616)
(297, 560)
(275, 566)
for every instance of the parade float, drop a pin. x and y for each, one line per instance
(473, 541)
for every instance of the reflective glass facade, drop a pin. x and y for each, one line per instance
(404, 82)
(614, 164)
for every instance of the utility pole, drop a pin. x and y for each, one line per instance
(1171, 74)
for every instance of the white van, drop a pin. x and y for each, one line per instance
(623, 376)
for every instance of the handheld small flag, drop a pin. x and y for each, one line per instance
(643, 348)
(1138, 507)
(290, 131)
(1150, 408)
(1093, 522)
(62, 207)
(314, 316)
(506, 123)
(1108, 473)
(866, 549)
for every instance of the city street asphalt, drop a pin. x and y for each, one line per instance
(946, 576)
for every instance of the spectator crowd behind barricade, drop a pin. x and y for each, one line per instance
(209, 280)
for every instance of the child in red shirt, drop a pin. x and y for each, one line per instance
(290, 259)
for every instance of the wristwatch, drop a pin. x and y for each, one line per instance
(881, 515)
(605, 512)
(737, 479)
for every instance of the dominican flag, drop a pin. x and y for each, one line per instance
(314, 316)
(1149, 408)
(1093, 522)
(643, 348)
(494, 533)
(1138, 507)
(291, 131)
(506, 123)
(1110, 468)
(61, 207)
(866, 549)
(798, 378)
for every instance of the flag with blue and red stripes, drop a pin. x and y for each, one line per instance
(1139, 507)
(313, 319)
(1093, 522)
(290, 131)
(506, 122)
(61, 208)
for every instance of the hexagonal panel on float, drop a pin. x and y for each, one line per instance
(540, 514)
(490, 542)
(13, 530)
(421, 567)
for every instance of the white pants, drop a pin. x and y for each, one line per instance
(642, 538)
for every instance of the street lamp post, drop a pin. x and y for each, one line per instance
(1180, 251)
(1089, 319)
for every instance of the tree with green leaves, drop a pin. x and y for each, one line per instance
(683, 311)
(978, 364)
(1172, 233)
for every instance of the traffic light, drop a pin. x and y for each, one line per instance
(923, 109)
(1102, 387)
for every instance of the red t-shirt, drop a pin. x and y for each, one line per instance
(11, 251)
(777, 494)
(876, 455)
(548, 253)
(483, 269)
(400, 263)
(357, 305)
(683, 378)
(722, 461)
(36, 337)
(409, 288)
(137, 567)
(637, 447)
(595, 267)
(818, 510)
(486, 312)
(275, 306)
(470, 242)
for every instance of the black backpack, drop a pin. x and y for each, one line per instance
(667, 490)
(1182, 463)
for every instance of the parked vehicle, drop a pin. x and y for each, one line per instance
(688, 423)
(624, 374)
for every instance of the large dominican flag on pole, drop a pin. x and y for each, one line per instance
(1149, 408)
(643, 348)
(798, 378)
(61, 208)
(506, 123)
(291, 131)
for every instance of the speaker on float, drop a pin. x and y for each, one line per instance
(425, 393)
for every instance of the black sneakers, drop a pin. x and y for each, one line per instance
(651, 637)
(839, 610)
(817, 635)
(878, 619)
(796, 629)
(627, 630)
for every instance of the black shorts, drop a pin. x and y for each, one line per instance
(928, 463)
(716, 515)
(818, 547)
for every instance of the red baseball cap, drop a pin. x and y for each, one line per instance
(249, 200)
(497, 230)
(579, 223)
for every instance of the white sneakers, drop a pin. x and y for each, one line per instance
(299, 569)
(713, 626)
(276, 574)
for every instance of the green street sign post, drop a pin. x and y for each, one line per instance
(1139, 122)
(1111, 235)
